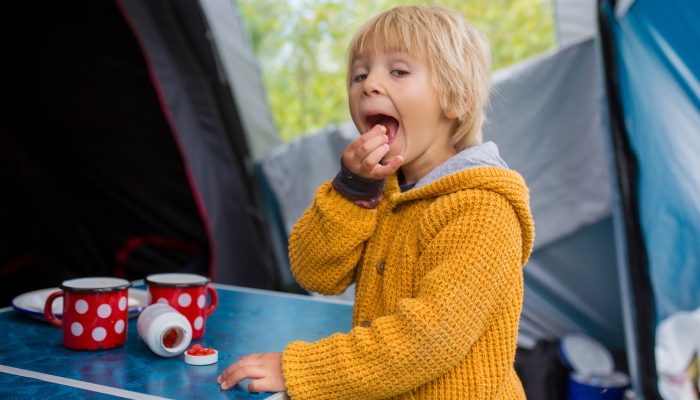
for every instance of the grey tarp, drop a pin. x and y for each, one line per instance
(240, 67)
(189, 102)
(575, 21)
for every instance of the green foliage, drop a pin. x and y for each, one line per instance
(301, 46)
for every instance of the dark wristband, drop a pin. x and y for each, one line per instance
(356, 188)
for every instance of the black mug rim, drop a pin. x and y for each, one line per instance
(117, 288)
(205, 282)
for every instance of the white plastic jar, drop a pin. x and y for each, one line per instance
(164, 329)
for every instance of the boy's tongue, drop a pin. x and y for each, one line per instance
(391, 125)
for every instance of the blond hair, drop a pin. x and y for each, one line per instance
(457, 55)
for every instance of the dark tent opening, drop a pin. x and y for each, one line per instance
(104, 172)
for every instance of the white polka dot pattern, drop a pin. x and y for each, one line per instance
(99, 334)
(201, 301)
(198, 323)
(122, 303)
(119, 326)
(184, 300)
(104, 310)
(76, 329)
(162, 301)
(81, 306)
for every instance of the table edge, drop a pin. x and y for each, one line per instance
(93, 387)
(283, 294)
(97, 388)
(242, 289)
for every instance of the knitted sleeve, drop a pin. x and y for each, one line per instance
(474, 251)
(327, 241)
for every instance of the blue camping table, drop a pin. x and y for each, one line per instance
(35, 365)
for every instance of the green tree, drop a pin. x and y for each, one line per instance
(301, 46)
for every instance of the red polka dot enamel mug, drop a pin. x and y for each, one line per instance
(187, 293)
(95, 312)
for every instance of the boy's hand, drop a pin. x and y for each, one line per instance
(362, 156)
(265, 368)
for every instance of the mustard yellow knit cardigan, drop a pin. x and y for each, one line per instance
(439, 290)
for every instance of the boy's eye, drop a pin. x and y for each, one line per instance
(398, 72)
(360, 78)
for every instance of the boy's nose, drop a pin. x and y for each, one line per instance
(371, 86)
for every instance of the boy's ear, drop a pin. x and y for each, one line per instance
(457, 111)
(451, 114)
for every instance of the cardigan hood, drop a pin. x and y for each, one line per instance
(476, 168)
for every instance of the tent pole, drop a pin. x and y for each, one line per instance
(636, 284)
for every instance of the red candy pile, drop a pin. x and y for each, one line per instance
(170, 338)
(198, 350)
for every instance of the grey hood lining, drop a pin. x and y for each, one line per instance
(483, 155)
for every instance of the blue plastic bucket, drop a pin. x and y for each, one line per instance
(610, 387)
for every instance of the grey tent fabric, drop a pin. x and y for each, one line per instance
(295, 170)
(239, 67)
(575, 21)
(546, 119)
(577, 277)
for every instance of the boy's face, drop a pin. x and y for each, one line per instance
(395, 90)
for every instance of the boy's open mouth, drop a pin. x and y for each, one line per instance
(390, 123)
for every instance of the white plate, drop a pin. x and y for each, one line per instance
(32, 303)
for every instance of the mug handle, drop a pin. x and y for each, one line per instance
(48, 309)
(214, 300)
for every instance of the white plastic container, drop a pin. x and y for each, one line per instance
(159, 320)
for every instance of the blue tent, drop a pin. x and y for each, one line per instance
(652, 72)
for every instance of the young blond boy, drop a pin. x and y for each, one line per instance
(428, 222)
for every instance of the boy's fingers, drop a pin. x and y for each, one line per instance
(363, 151)
(382, 171)
(375, 131)
(267, 385)
(368, 148)
(228, 371)
(245, 371)
(372, 160)
(247, 360)
(261, 385)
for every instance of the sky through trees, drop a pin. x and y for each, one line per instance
(301, 44)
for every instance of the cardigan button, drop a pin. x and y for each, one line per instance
(380, 267)
(396, 209)
(366, 323)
